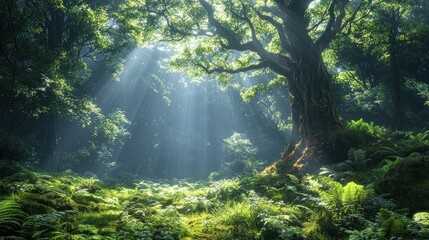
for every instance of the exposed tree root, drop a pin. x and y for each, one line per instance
(307, 156)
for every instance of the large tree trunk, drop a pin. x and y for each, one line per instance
(300, 61)
(314, 114)
(314, 119)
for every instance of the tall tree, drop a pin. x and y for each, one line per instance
(45, 47)
(389, 46)
(286, 37)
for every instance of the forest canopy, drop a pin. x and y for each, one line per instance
(304, 67)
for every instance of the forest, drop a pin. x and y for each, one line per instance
(214, 119)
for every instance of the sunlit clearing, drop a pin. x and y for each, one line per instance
(177, 129)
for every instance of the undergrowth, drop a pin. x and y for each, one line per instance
(379, 192)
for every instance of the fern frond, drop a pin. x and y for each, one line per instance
(11, 216)
(36, 226)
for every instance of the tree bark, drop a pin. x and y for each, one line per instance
(314, 117)
(314, 113)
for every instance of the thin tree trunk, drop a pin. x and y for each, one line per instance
(10, 98)
(395, 84)
(49, 134)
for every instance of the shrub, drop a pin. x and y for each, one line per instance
(13, 148)
(357, 134)
(241, 157)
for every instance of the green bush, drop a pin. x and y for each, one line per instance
(13, 148)
(357, 134)
(240, 158)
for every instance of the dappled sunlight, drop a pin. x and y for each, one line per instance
(214, 120)
(177, 127)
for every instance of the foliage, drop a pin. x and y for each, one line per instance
(108, 134)
(422, 90)
(366, 128)
(422, 218)
(112, 128)
(240, 159)
(357, 134)
(386, 44)
(11, 217)
(63, 34)
(13, 148)
(396, 163)
(368, 204)
(239, 146)
(48, 51)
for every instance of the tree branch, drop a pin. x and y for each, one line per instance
(316, 25)
(276, 61)
(336, 22)
(231, 70)
(279, 28)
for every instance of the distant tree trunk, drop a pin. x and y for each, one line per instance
(395, 81)
(49, 136)
(54, 25)
(395, 89)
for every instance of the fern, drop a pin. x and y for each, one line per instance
(422, 218)
(353, 194)
(392, 224)
(421, 138)
(39, 226)
(369, 128)
(11, 217)
(383, 152)
(389, 164)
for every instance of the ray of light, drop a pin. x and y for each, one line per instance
(176, 129)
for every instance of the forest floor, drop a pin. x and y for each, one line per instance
(356, 199)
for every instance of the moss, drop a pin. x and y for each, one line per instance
(197, 226)
(87, 199)
(99, 219)
(34, 208)
(408, 181)
(50, 199)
